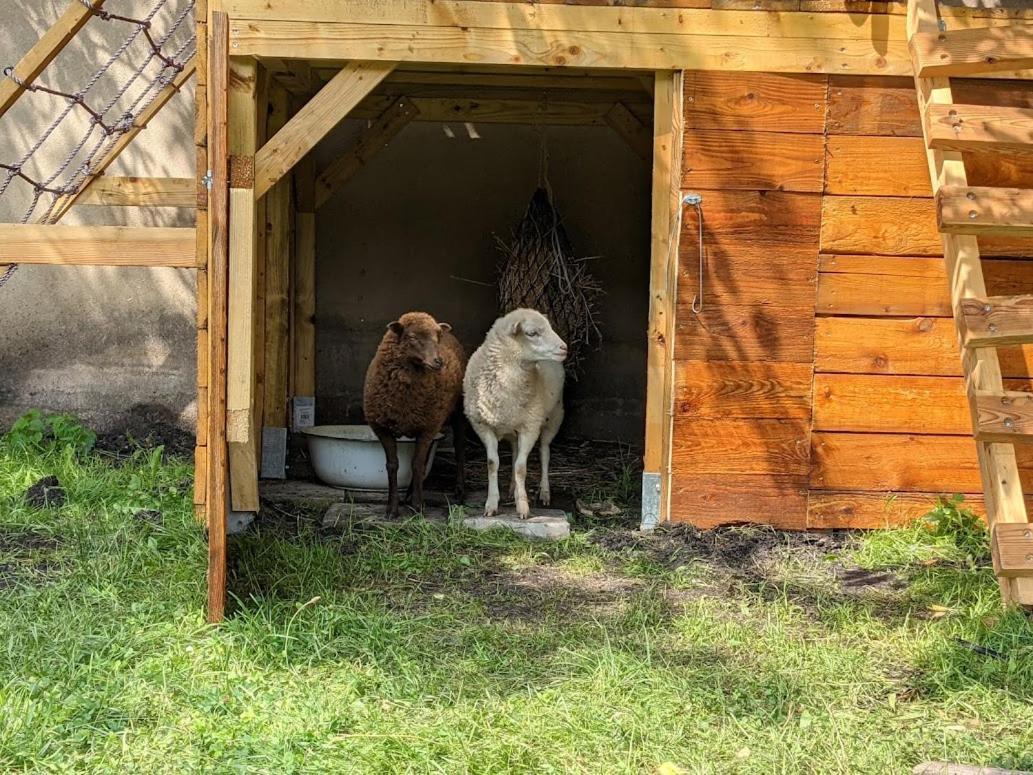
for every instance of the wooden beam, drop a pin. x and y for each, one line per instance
(218, 292)
(303, 311)
(372, 139)
(241, 399)
(97, 245)
(997, 321)
(635, 134)
(456, 14)
(979, 128)
(998, 467)
(311, 124)
(667, 148)
(100, 165)
(568, 48)
(294, 75)
(985, 210)
(1005, 416)
(54, 40)
(140, 192)
(944, 53)
(1011, 547)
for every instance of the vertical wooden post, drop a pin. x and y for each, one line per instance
(279, 219)
(667, 133)
(303, 326)
(241, 420)
(218, 224)
(201, 472)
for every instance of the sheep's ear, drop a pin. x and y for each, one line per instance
(444, 327)
(516, 327)
(396, 327)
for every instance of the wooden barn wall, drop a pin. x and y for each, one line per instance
(821, 385)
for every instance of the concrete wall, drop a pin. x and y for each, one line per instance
(112, 345)
(426, 211)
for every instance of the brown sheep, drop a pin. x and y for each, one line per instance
(413, 385)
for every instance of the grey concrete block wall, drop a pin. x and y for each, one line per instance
(110, 344)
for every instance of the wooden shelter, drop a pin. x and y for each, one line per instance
(850, 156)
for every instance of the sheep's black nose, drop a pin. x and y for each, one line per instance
(438, 363)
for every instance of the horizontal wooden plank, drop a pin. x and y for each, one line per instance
(709, 501)
(740, 446)
(885, 105)
(890, 404)
(897, 286)
(902, 462)
(897, 226)
(739, 273)
(140, 192)
(726, 390)
(856, 345)
(739, 220)
(668, 17)
(1011, 546)
(727, 332)
(997, 320)
(875, 510)
(960, 127)
(764, 161)
(1004, 416)
(975, 50)
(755, 101)
(563, 48)
(877, 166)
(986, 210)
(97, 245)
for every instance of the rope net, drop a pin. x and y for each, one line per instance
(91, 116)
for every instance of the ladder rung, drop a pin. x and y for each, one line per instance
(1011, 546)
(997, 321)
(1005, 416)
(973, 50)
(979, 127)
(985, 210)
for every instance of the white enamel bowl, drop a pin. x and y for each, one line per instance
(351, 457)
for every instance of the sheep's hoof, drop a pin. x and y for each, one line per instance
(544, 496)
(523, 509)
(491, 508)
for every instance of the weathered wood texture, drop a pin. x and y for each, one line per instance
(821, 385)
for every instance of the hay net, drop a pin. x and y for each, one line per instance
(539, 270)
(91, 114)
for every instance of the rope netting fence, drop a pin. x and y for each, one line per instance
(92, 115)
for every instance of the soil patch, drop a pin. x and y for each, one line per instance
(148, 427)
(47, 493)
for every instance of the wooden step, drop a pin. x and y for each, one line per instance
(1011, 546)
(985, 210)
(979, 128)
(972, 51)
(1006, 416)
(997, 321)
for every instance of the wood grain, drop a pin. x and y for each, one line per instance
(987, 210)
(738, 220)
(716, 390)
(877, 166)
(968, 51)
(728, 332)
(902, 463)
(755, 101)
(875, 510)
(711, 501)
(890, 404)
(749, 446)
(764, 161)
(744, 274)
(98, 245)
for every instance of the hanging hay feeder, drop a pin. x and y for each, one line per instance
(539, 270)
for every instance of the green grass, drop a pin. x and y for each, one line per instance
(429, 649)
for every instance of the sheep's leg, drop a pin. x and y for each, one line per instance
(459, 444)
(525, 443)
(512, 469)
(549, 431)
(491, 447)
(419, 468)
(391, 454)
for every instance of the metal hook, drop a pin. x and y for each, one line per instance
(696, 200)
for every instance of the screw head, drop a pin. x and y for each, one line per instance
(987, 309)
(1009, 423)
(970, 196)
(972, 215)
(992, 328)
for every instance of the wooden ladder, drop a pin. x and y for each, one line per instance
(1000, 418)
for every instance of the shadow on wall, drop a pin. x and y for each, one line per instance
(96, 341)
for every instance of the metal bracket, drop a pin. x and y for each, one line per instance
(692, 199)
(208, 180)
(650, 501)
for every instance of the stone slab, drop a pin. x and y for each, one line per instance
(545, 525)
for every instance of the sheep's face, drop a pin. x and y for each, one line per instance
(539, 342)
(419, 339)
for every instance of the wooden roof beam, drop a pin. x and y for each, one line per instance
(312, 123)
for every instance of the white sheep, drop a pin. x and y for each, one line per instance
(513, 390)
